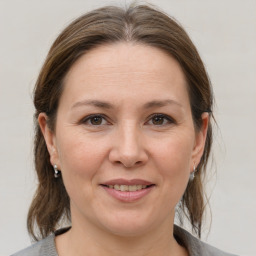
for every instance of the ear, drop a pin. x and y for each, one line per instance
(49, 138)
(201, 135)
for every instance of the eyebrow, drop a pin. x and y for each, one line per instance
(160, 103)
(107, 105)
(95, 103)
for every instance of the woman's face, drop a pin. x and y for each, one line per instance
(125, 141)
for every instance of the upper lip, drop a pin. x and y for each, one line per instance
(127, 182)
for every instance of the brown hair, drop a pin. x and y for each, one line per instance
(137, 23)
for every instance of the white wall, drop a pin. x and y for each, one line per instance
(224, 32)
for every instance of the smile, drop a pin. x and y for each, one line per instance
(129, 188)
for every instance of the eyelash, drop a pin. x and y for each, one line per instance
(90, 117)
(166, 117)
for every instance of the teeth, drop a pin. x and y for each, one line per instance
(127, 187)
(132, 188)
(123, 187)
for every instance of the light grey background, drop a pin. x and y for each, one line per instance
(224, 32)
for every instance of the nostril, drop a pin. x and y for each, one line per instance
(132, 164)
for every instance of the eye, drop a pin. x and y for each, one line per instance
(94, 120)
(161, 119)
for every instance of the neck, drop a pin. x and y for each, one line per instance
(87, 240)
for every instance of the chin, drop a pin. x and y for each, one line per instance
(127, 230)
(127, 225)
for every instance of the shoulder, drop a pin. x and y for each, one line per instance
(214, 251)
(45, 247)
(196, 247)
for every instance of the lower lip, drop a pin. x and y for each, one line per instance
(128, 196)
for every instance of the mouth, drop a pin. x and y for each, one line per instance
(128, 190)
(125, 188)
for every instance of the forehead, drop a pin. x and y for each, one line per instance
(125, 69)
(123, 56)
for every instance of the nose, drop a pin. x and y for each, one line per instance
(128, 148)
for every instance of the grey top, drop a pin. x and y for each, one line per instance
(195, 247)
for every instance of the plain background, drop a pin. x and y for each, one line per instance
(224, 32)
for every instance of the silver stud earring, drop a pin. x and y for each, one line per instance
(56, 171)
(192, 174)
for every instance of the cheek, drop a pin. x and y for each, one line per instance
(175, 151)
(80, 161)
(172, 159)
(78, 153)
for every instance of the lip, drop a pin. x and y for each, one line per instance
(128, 182)
(128, 196)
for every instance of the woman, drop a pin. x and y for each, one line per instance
(123, 135)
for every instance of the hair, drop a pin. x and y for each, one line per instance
(141, 24)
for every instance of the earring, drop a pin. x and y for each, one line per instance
(56, 171)
(192, 174)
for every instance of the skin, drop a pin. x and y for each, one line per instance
(127, 143)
